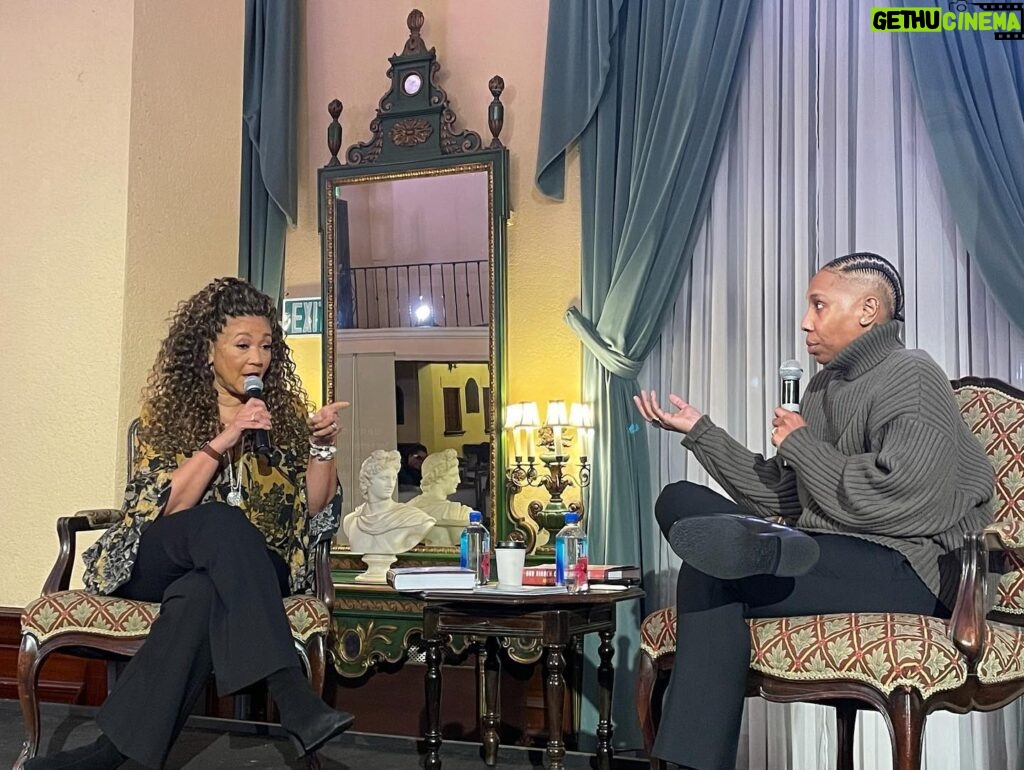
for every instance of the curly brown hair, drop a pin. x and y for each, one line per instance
(180, 402)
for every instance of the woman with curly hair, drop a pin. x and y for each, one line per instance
(214, 531)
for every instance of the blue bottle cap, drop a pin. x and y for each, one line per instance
(475, 516)
(572, 517)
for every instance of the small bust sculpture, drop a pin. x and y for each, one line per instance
(382, 525)
(441, 479)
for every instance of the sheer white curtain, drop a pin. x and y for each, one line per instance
(827, 155)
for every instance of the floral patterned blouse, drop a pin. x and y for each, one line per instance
(273, 494)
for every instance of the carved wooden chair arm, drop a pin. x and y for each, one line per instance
(323, 583)
(67, 527)
(980, 566)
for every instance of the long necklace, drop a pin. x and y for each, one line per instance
(234, 479)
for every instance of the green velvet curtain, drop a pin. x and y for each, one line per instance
(645, 88)
(971, 90)
(269, 198)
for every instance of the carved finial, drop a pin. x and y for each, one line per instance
(415, 43)
(334, 132)
(496, 110)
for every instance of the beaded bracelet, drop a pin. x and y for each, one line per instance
(323, 453)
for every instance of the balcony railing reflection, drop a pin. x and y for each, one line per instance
(396, 296)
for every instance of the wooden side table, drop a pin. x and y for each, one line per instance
(554, 619)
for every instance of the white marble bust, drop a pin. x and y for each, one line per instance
(440, 480)
(381, 525)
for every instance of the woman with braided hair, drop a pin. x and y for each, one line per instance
(878, 475)
(216, 532)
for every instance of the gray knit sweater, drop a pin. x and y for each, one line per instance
(885, 457)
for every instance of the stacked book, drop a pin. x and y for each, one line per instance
(431, 578)
(616, 574)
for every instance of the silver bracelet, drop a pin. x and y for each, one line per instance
(323, 453)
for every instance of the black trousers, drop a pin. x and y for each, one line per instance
(703, 705)
(220, 593)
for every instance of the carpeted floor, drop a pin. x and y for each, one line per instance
(205, 744)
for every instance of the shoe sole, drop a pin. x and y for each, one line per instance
(319, 743)
(723, 547)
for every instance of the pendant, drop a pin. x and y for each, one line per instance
(234, 498)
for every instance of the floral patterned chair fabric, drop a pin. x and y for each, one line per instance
(80, 612)
(71, 621)
(905, 666)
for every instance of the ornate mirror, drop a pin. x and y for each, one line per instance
(413, 255)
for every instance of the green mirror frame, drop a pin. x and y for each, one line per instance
(414, 136)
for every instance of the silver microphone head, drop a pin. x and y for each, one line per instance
(791, 370)
(253, 385)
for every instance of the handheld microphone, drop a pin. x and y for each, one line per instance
(253, 387)
(789, 375)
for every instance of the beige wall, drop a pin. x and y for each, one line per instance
(104, 103)
(348, 44)
(66, 96)
(183, 187)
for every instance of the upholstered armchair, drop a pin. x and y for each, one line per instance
(76, 622)
(904, 666)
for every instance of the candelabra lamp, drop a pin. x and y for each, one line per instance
(547, 461)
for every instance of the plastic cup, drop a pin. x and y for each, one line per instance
(511, 557)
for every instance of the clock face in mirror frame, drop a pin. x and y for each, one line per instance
(411, 84)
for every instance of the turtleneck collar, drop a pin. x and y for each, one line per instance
(868, 350)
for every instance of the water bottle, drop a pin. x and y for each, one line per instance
(475, 548)
(571, 555)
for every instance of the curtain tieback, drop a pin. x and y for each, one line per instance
(615, 362)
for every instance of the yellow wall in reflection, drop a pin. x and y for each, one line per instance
(308, 357)
(434, 378)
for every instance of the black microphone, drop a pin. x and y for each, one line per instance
(261, 439)
(789, 375)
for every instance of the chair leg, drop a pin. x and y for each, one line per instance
(316, 661)
(647, 678)
(29, 661)
(906, 717)
(846, 724)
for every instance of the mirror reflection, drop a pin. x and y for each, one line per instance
(413, 252)
(411, 305)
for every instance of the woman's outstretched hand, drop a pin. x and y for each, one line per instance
(680, 421)
(323, 424)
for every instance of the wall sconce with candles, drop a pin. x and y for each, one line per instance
(546, 447)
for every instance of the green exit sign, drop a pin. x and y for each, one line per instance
(303, 315)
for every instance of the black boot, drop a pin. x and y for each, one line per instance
(309, 720)
(101, 754)
(731, 546)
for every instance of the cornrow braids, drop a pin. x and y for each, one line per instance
(870, 265)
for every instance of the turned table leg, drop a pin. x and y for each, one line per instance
(554, 696)
(432, 686)
(605, 680)
(491, 718)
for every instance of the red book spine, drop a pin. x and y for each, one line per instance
(543, 575)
